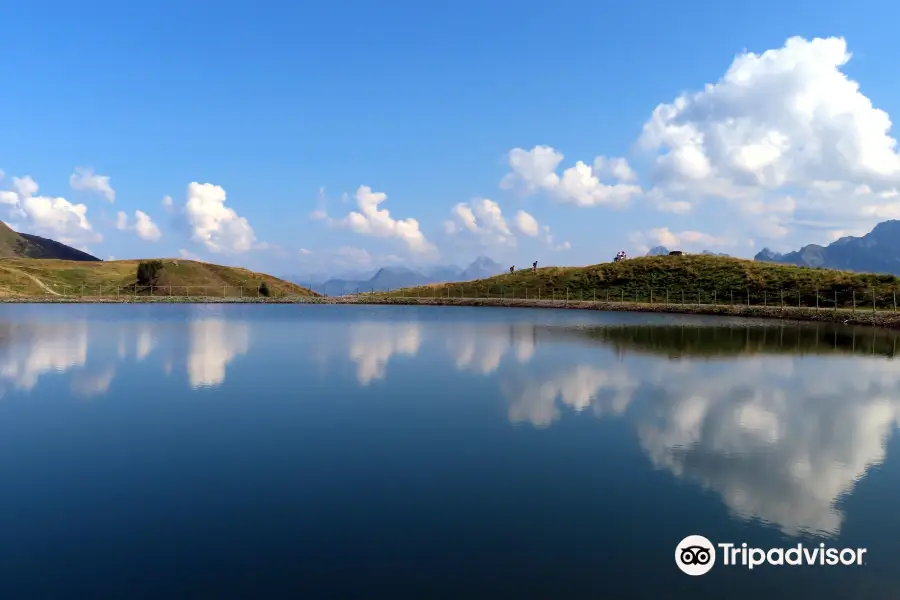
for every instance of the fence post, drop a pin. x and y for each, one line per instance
(748, 297)
(817, 298)
(765, 300)
(798, 297)
(854, 300)
(595, 295)
(567, 296)
(623, 296)
(667, 296)
(698, 296)
(781, 293)
(651, 294)
(731, 294)
(82, 290)
(835, 300)
(682, 295)
(894, 292)
(873, 300)
(715, 301)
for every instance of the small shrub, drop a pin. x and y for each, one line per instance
(148, 272)
(264, 289)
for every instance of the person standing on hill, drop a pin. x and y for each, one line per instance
(512, 269)
(534, 267)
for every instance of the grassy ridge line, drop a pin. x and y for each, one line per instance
(700, 278)
(24, 277)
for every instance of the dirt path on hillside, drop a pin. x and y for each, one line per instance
(39, 283)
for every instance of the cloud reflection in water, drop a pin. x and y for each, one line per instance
(780, 437)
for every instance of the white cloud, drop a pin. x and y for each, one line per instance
(213, 344)
(25, 186)
(48, 216)
(527, 224)
(93, 382)
(31, 350)
(618, 168)
(548, 239)
(352, 257)
(784, 123)
(373, 344)
(773, 436)
(167, 204)
(483, 218)
(608, 391)
(84, 179)
(188, 255)
(145, 227)
(304, 251)
(534, 171)
(682, 240)
(218, 227)
(376, 222)
(793, 443)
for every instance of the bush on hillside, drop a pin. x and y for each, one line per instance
(148, 272)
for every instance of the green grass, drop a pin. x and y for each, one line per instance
(689, 279)
(178, 278)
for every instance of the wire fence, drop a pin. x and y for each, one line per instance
(153, 291)
(871, 299)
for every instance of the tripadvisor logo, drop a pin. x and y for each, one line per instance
(696, 555)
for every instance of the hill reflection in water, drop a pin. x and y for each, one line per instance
(795, 339)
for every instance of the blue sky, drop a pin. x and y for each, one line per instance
(270, 104)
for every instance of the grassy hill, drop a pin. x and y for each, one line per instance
(25, 245)
(696, 278)
(30, 277)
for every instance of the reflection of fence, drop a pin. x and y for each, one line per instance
(853, 299)
(160, 291)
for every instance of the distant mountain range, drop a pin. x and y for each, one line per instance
(25, 245)
(397, 277)
(876, 252)
(663, 251)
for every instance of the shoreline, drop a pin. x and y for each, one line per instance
(882, 318)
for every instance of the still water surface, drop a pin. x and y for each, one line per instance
(402, 452)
